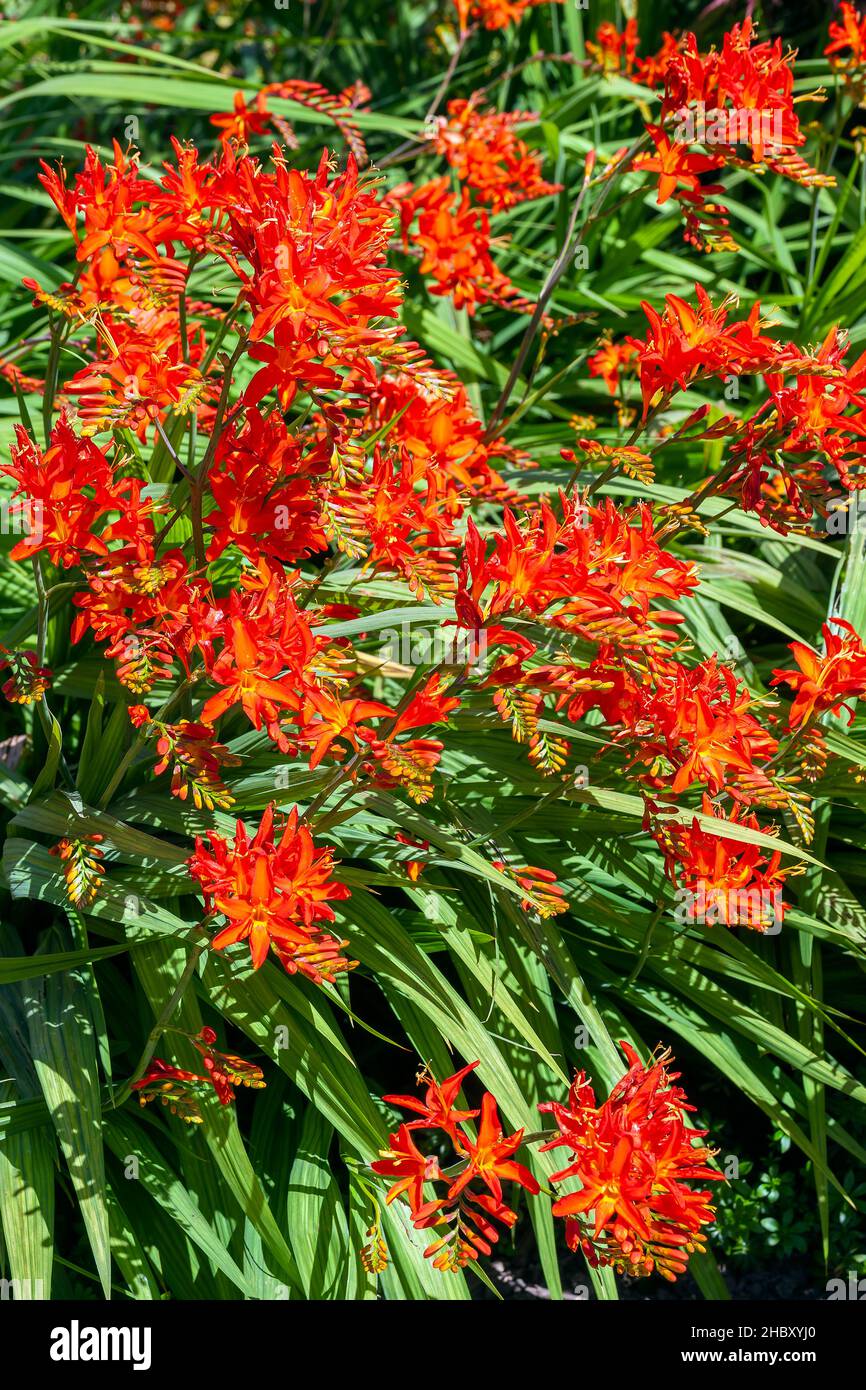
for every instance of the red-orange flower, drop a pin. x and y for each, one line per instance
(826, 682)
(243, 121)
(614, 50)
(491, 1156)
(69, 490)
(179, 1089)
(634, 1158)
(676, 165)
(482, 148)
(455, 239)
(847, 47)
(437, 1108)
(685, 344)
(405, 1162)
(271, 892)
(465, 1213)
(609, 361)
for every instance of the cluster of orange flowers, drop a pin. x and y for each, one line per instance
(814, 410)
(634, 1156)
(449, 228)
(635, 1159)
(485, 153)
(240, 319)
(473, 1197)
(495, 14)
(847, 48)
(313, 307)
(728, 108)
(678, 727)
(455, 240)
(273, 893)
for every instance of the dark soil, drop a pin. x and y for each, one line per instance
(517, 1275)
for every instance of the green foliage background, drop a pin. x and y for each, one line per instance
(268, 1199)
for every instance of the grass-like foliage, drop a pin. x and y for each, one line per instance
(432, 576)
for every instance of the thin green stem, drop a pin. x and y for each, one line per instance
(161, 1024)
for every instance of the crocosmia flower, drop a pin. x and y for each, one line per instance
(470, 1189)
(273, 892)
(634, 1160)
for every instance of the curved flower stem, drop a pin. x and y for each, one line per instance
(161, 1024)
(449, 73)
(227, 323)
(414, 147)
(841, 116)
(198, 480)
(46, 718)
(51, 377)
(557, 270)
(58, 334)
(646, 944)
(182, 315)
(171, 449)
(319, 579)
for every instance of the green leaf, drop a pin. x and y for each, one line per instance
(27, 1207)
(127, 1141)
(63, 1047)
(318, 1227)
